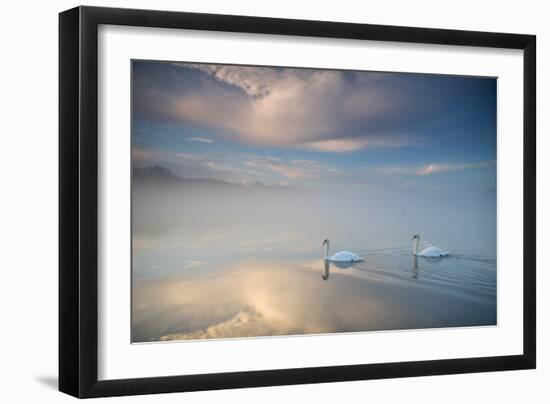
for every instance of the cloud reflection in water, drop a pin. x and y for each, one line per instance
(255, 298)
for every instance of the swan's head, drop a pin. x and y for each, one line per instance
(416, 237)
(325, 241)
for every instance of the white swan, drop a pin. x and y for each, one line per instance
(430, 252)
(342, 256)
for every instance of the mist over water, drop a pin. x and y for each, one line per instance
(214, 259)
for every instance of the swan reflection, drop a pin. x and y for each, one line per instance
(327, 271)
(429, 264)
(341, 265)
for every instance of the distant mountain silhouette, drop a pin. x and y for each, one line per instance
(156, 174)
(161, 176)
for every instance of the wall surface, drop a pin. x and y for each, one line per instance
(28, 292)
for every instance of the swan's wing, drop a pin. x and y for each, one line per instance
(340, 256)
(357, 257)
(345, 256)
(433, 252)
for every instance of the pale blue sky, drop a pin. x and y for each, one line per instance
(309, 128)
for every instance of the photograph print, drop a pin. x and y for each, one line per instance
(274, 201)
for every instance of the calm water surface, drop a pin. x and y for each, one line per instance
(226, 285)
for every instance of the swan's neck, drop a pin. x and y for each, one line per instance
(415, 246)
(327, 246)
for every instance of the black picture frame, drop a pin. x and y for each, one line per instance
(78, 201)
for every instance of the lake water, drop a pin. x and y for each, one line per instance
(225, 285)
(218, 260)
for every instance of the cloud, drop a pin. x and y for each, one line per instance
(342, 145)
(278, 112)
(192, 263)
(142, 154)
(288, 168)
(188, 156)
(321, 110)
(200, 139)
(241, 168)
(255, 82)
(430, 169)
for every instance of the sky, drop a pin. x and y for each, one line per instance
(311, 128)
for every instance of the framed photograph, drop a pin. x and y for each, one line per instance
(251, 201)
